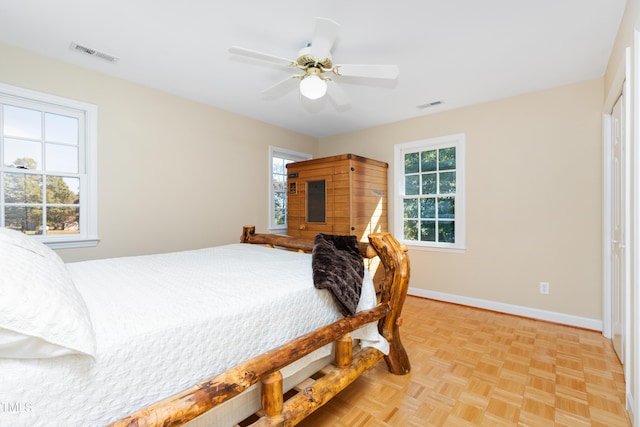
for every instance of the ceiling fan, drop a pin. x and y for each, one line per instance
(315, 60)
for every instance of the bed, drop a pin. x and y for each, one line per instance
(205, 337)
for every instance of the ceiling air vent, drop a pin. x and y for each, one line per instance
(431, 104)
(92, 52)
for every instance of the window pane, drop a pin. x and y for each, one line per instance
(22, 122)
(447, 158)
(279, 182)
(23, 218)
(446, 207)
(447, 182)
(428, 160)
(22, 188)
(61, 158)
(428, 231)
(22, 153)
(411, 163)
(280, 216)
(411, 208)
(429, 183)
(280, 200)
(59, 128)
(63, 220)
(411, 229)
(63, 190)
(278, 166)
(428, 208)
(412, 185)
(446, 232)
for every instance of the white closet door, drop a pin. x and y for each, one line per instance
(618, 226)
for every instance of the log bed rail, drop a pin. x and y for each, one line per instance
(200, 398)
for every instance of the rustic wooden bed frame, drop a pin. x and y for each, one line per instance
(204, 396)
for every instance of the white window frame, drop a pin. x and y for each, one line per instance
(283, 153)
(88, 163)
(455, 140)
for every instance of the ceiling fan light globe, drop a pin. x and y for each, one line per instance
(313, 87)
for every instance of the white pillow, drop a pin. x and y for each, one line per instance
(42, 314)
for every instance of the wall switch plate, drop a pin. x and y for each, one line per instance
(544, 288)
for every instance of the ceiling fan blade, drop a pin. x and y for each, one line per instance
(337, 95)
(324, 37)
(281, 87)
(363, 70)
(260, 55)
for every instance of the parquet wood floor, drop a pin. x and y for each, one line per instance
(473, 367)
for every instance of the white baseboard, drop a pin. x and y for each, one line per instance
(630, 409)
(534, 313)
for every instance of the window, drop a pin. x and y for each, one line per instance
(279, 158)
(429, 204)
(48, 167)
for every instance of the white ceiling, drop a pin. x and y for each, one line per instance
(461, 52)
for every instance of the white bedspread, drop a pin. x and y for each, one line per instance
(164, 322)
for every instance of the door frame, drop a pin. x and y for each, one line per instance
(620, 86)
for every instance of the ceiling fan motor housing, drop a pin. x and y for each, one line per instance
(306, 60)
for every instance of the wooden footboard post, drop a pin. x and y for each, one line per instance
(344, 351)
(272, 395)
(395, 260)
(247, 232)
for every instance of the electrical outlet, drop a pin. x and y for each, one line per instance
(544, 288)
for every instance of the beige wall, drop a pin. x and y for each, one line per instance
(173, 174)
(533, 165)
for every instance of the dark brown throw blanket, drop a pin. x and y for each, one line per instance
(338, 266)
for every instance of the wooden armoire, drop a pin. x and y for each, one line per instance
(344, 194)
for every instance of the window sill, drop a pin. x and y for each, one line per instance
(70, 244)
(435, 249)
